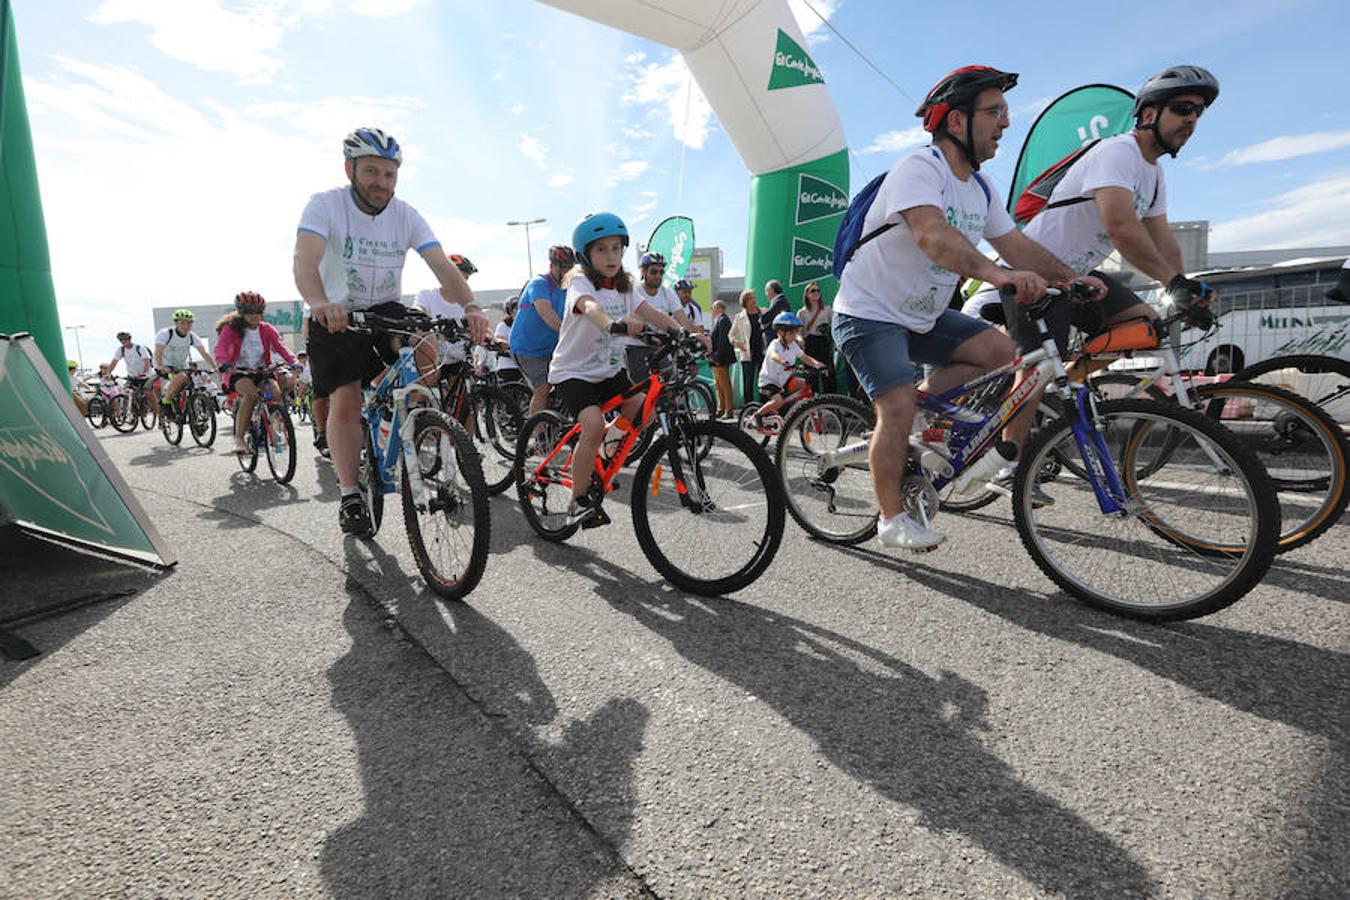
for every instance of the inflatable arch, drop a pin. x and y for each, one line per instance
(750, 60)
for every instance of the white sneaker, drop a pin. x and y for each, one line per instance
(902, 531)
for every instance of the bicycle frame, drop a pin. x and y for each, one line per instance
(391, 391)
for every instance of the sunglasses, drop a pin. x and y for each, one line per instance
(1185, 108)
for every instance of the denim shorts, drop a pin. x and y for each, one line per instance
(882, 354)
(535, 368)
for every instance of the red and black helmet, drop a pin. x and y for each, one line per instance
(249, 302)
(958, 90)
(562, 255)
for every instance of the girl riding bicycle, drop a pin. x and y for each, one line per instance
(784, 351)
(588, 364)
(245, 344)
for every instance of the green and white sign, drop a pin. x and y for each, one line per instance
(792, 65)
(673, 239)
(818, 199)
(810, 262)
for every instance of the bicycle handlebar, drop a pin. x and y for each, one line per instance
(411, 323)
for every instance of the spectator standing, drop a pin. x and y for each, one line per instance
(721, 358)
(816, 316)
(747, 336)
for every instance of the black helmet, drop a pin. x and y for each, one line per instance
(1176, 80)
(124, 335)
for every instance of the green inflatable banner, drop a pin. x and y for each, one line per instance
(55, 479)
(794, 216)
(674, 239)
(1083, 114)
(27, 298)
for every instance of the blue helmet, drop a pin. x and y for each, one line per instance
(651, 259)
(592, 228)
(786, 320)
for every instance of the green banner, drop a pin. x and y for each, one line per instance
(27, 298)
(792, 65)
(674, 239)
(794, 216)
(1083, 114)
(54, 477)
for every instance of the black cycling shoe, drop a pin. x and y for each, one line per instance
(586, 511)
(321, 444)
(354, 518)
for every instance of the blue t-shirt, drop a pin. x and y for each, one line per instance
(530, 335)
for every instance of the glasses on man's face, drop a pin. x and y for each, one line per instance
(657, 271)
(1185, 108)
(1000, 110)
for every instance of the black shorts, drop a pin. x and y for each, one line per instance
(768, 391)
(1028, 337)
(233, 378)
(338, 359)
(578, 394)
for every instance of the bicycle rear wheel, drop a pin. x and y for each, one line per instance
(544, 485)
(497, 422)
(96, 412)
(446, 513)
(1302, 449)
(833, 503)
(1327, 381)
(170, 426)
(366, 481)
(248, 461)
(1193, 538)
(148, 413)
(710, 523)
(202, 418)
(280, 437)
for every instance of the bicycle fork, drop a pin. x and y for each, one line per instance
(690, 486)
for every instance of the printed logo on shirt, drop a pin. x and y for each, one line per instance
(818, 199)
(792, 66)
(810, 262)
(347, 248)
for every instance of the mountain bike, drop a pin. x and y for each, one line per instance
(491, 415)
(1133, 534)
(426, 454)
(193, 406)
(109, 405)
(269, 427)
(706, 505)
(801, 389)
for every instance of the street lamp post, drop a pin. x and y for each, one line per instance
(529, 259)
(79, 354)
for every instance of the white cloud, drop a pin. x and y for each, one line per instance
(670, 85)
(635, 132)
(640, 210)
(244, 43)
(515, 108)
(383, 8)
(329, 119)
(562, 179)
(1286, 147)
(1313, 215)
(807, 20)
(534, 148)
(897, 141)
(628, 171)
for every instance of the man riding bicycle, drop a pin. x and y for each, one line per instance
(139, 362)
(892, 305)
(349, 253)
(172, 349)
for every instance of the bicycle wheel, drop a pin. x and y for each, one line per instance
(96, 412)
(712, 523)
(544, 486)
(445, 509)
(365, 480)
(280, 438)
(147, 413)
(1302, 449)
(833, 503)
(202, 418)
(497, 422)
(120, 414)
(1193, 537)
(170, 426)
(1327, 383)
(249, 461)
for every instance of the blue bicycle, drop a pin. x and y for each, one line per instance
(426, 454)
(1164, 515)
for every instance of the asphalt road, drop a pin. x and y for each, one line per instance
(857, 723)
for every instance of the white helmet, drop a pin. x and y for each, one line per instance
(371, 142)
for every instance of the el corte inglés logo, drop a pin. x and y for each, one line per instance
(810, 262)
(792, 66)
(818, 199)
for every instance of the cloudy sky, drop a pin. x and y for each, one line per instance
(178, 140)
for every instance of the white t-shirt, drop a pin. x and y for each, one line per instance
(432, 303)
(362, 263)
(889, 278)
(772, 372)
(821, 325)
(306, 377)
(176, 346)
(250, 350)
(137, 358)
(664, 299)
(1075, 234)
(504, 360)
(584, 351)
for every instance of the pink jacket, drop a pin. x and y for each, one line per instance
(228, 342)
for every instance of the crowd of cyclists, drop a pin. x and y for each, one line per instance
(570, 335)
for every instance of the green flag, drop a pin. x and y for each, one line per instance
(674, 239)
(1083, 114)
(792, 66)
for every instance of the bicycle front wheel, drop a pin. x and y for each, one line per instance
(710, 523)
(1325, 380)
(445, 509)
(1194, 536)
(202, 418)
(148, 413)
(120, 415)
(280, 438)
(834, 503)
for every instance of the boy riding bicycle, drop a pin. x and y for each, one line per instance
(783, 353)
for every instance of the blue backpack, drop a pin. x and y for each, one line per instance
(850, 236)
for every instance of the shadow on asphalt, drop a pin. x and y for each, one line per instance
(163, 455)
(249, 493)
(432, 821)
(913, 738)
(1279, 680)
